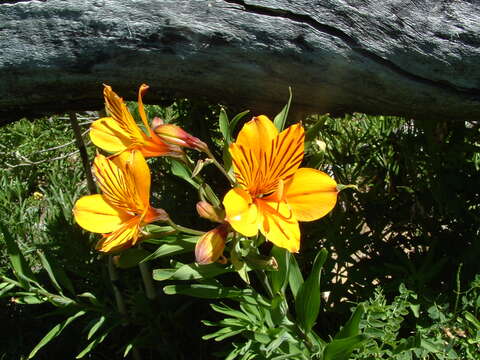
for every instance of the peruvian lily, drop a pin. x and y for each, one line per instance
(273, 193)
(123, 208)
(120, 132)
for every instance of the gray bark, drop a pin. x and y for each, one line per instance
(417, 58)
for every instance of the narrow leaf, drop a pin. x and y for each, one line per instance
(341, 349)
(281, 117)
(279, 278)
(180, 170)
(182, 245)
(54, 332)
(352, 327)
(224, 125)
(307, 302)
(191, 272)
(20, 266)
(235, 120)
(96, 326)
(295, 278)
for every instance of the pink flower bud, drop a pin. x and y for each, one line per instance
(207, 211)
(175, 135)
(210, 246)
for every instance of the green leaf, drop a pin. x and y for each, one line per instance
(224, 125)
(470, 317)
(191, 272)
(216, 292)
(131, 257)
(57, 275)
(96, 326)
(307, 302)
(180, 169)
(341, 349)
(235, 120)
(20, 266)
(295, 278)
(93, 344)
(279, 278)
(281, 117)
(181, 245)
(5, 288)
(54, 332)
(29, 300)
(352, 327)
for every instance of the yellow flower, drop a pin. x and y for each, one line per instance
(210, 246)
(124, 205)
(120, 132)
(273, 193)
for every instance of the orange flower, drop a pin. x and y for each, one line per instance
(273, 193)
(120, 132)
(124, 206)
(210, 246)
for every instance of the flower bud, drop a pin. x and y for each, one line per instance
(207, 211)
(175, 135)
(210, 246)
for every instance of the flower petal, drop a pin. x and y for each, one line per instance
(108, 135)
(124, 237)
(141, 110)
(285, 155)
(117, 185)
(95, 214)
(257, 132)
(138, 173)
(260, 166)
(278, 224)
(311, 194)
(119, 112)
(241, 212)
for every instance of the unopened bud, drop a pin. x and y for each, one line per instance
(210, 246)
(175, 135)
(207, 211)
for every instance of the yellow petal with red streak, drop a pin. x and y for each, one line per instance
(118, 187)
(124, 237)
(311, 194)
(278, 224)
(256, 133)
(286, 153)
(241, 212)
(119, 112)
(138, 173)
(95, 214)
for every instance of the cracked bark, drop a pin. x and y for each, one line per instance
(417, 59)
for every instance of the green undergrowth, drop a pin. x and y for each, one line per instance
(405, 245)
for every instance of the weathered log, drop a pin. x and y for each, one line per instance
(418, 58)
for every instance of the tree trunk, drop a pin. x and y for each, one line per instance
(418, 58)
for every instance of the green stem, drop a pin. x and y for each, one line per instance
(184, 229)
(147, 281)
(264, 281)
(122, 309)
(457, 298)
(220, 167)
